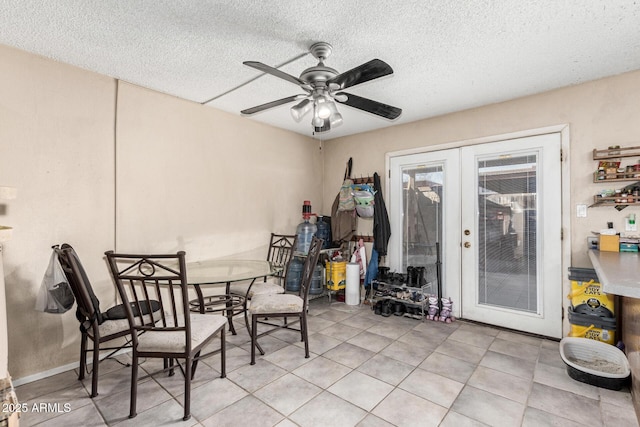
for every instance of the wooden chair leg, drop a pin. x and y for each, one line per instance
(134, 386)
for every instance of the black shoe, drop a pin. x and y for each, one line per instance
(377, 308)
(399, 308)
(386, 308)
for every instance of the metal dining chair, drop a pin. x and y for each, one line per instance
(177, 333)
(279, 254)
(101, 327)
(265, 307)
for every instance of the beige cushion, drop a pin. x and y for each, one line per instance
(280, 303)
(202, 327)
(265, 289)
(109, 327)
(259, 288)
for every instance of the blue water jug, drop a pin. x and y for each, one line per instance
(305, 233)
(316, 280)
(324, 232)
(294, 274)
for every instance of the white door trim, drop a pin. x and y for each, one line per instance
(564, 131)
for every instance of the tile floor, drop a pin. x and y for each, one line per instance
(364, 370)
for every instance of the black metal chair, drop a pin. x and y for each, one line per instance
(285, 305)
(176, 333)
(281, 247)
(95, 325)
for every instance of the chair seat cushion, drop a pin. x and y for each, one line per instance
(203, 327)
(116, 326)
(276, 303)
(258, 288)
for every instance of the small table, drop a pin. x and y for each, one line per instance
(224, 272)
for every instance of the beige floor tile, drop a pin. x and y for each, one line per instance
(86, 416)
(289, 357)
(254, 377)
(488, 408)
(341, 332)
(373, 421)
(114, 407)
(431, 386)
(61, 401)
(384, 368)
(502, 384)
(320, 343)
(509, 364)
(327, 409)
(613, 415)
(349, 355)
(559, 402)
(449, 367)
(402, 408)
(248, 411)
(212, 397)
(520, 350)
(479, 329)
(558, 378)
(403, 371)
(361, 390)
(322, 372)
(390, 328)
(536, 418)
(48, 385)
(461, 351)
(520, 338)
(317, 324)
(471, 338)
(408, 353)
(370, 341)
(168, 413)
(287, 393)
(453, 419)
(359, 321)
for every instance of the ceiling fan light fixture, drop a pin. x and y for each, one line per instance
(335, 120)
(323, 108)
(317, 122)
(301, 109)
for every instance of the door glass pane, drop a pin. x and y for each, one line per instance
(507, 225)
(422, 192)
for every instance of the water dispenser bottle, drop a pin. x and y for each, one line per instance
(305, 230)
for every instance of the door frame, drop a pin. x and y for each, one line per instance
(566, 249)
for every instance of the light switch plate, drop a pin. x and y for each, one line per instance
(581, 211)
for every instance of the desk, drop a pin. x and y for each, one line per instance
(217, 272)
(617, 271)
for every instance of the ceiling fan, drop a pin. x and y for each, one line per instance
(324, 85)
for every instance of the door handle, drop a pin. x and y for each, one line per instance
(467, 244)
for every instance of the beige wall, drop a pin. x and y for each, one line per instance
(56, 147)
(599, 114)
(167, 175)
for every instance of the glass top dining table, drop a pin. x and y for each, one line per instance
(224, 272)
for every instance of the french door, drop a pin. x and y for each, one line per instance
(494, 211)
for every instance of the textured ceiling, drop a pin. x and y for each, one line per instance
(446, 55)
